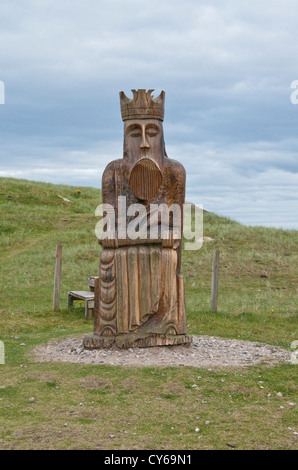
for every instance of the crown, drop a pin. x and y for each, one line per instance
(142, 105)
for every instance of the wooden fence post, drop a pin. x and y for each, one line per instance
(57, 279)
(214, 286)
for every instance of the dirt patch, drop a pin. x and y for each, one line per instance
(93, 382)
(204, 352)
(174, 388)
(42, 376)
(130, 383)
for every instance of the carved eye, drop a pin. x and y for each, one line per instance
(135, 133)
(152, 131)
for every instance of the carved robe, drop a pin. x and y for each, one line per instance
(140, 288)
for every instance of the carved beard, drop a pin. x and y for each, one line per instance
(145, 179)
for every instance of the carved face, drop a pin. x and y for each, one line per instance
(143, 138)
(144, 151)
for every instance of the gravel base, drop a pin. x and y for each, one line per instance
(205, 351)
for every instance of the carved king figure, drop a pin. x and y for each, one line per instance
(139, 295)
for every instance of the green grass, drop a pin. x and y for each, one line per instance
(149, 408)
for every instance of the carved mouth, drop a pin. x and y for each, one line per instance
(145, 179)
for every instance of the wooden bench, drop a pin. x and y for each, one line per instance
(85, 295)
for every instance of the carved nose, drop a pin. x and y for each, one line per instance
(144, 144)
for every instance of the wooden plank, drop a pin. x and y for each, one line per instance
(96, 305)
(57, 278)
(82, 294)
(89, 306)
(91, 282)
(69, 300)
(182, 326)
(122, 290)
(214, 286)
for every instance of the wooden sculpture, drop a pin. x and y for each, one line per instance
(139, 296)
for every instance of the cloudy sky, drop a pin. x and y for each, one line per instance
(226, 67)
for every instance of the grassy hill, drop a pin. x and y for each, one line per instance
(257, 301)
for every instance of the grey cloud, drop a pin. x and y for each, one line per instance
(226, 69)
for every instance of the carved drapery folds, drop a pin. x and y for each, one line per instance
(107, 302)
